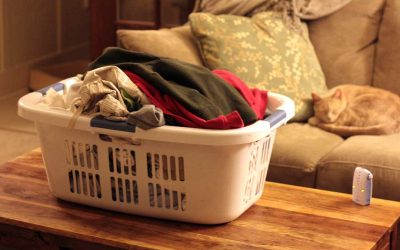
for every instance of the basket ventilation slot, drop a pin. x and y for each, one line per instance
(165, 198)
(122, 161)
(164, 167)
(259, 158)
(265, 151)
(124, 190)
(81, 182)
(81, 154)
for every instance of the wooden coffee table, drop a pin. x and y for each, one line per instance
(286, 217)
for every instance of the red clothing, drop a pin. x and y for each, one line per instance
(257, 100)
(174, 109)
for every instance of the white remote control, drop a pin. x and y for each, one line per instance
(362, 186)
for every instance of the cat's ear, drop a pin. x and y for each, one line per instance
(338, 94)
(316, 98)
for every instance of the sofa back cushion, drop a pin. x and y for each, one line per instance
(387, 66)
(345, 42)
(264, 52)
(177, 43)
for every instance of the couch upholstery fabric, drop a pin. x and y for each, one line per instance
(176, 43)
(379, 154)
(298, 148)
(345, 42)
(387, 66)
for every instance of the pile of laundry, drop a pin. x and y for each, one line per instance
(149, 91)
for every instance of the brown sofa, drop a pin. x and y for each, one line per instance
(359, 44)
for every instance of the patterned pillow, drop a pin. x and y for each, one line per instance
(264, 53)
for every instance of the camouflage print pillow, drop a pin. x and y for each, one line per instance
(264, 53)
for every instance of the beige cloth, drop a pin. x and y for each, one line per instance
(100, 93)
(315, 9)
(304, 9)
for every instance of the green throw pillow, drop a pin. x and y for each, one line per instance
(264, 52)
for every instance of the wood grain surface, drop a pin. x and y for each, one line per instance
(286, 217)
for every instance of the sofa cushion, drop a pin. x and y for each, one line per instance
(296, 152)
(386, 73)
(345, 42)
(379, 154)
(177, 43)
(264, 53)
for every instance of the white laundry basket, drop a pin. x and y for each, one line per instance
(186, 174)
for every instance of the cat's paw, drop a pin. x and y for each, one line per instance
(313, 121)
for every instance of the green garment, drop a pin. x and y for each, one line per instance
(195, 87)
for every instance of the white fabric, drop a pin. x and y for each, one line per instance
(53, 99)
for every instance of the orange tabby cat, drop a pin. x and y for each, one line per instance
(349, 110)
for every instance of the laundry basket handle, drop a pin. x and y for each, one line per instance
(276, 117)
(280, 108)
(100, 122)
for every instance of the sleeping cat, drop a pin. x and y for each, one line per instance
(349, 110)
